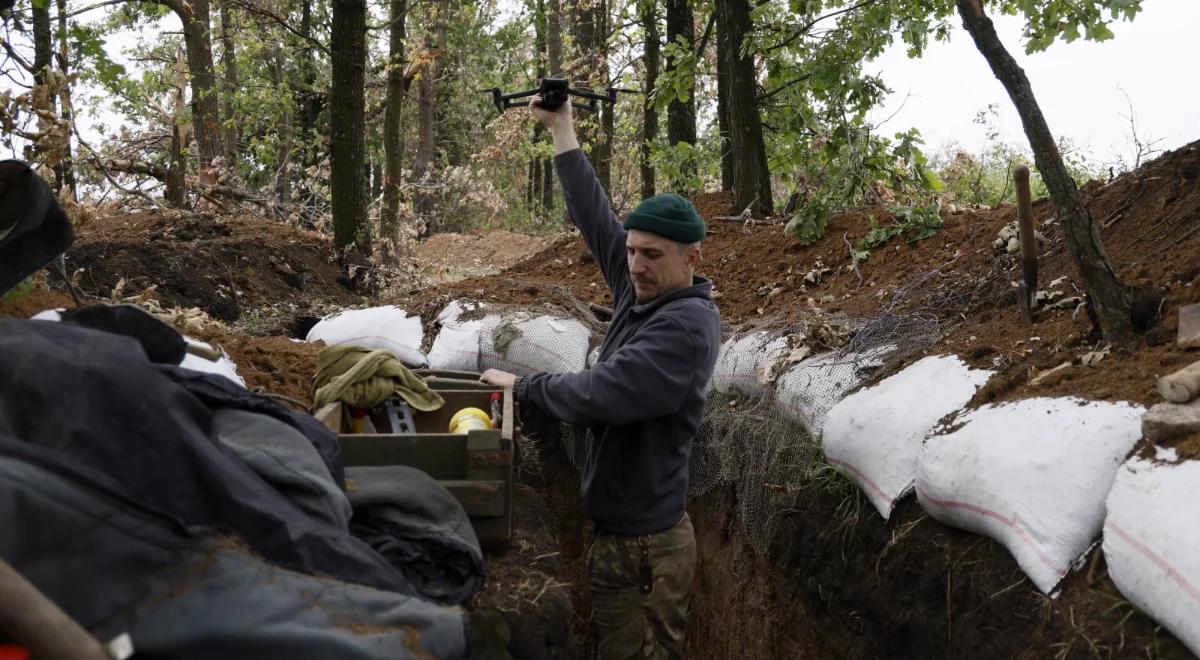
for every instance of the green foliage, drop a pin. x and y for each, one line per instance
(19, 292)
(913, 223)
(809, 223)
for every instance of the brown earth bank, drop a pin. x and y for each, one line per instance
(837, 581)
(450, 257)
(1149, 221)
(223, 265)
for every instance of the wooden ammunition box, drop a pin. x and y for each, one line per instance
(477, 467)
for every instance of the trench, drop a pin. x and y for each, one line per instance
(838, 581)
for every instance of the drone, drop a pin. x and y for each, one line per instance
(555, 92)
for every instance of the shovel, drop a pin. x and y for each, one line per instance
(1027, 290)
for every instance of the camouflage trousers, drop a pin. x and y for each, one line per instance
(627, 621)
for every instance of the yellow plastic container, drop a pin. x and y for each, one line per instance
(469, 418)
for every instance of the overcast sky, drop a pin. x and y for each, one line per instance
(1155, 59)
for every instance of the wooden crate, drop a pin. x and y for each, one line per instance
(477, 467)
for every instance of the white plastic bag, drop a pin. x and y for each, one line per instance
(874, 436)
(1032, 474)
(807, 392)
(387, 327)
(1152, 543)
(523, 344)
(456, 346)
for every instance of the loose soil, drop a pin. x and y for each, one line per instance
(452, 257)
(220, 264)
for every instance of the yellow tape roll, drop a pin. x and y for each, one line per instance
(469, 418)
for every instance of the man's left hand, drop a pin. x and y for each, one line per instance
(498, 378)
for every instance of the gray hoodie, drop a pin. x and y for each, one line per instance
(643, 400)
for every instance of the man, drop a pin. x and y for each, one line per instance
(642, 403)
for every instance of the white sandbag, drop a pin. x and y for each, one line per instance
(1032, 474)
(874, 436)
(593, 357)
(223, 366)
(523, 344)
(742, 359)
(49, 315)
(1151, 542)
(385, 327)
(807, 392)
(456, 346)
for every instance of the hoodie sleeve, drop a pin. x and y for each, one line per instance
(592, 213)
(646, 378)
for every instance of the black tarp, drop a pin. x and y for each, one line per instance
(95, 400)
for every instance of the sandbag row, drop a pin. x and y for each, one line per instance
(475, 338)
(1046, 477)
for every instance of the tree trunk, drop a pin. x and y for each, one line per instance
(43, 46)
(283, 142)
(175, 192)
(308, 101)
(681, 115)
(393, 139)
(554, 64)
(206, 119)
(1109, 298)
(590, 31)
(423, 164)
(231, 134)
(66, 168)
(533, 191)
(649, 111)
(724, 131)
(751, 178)
(347, 144)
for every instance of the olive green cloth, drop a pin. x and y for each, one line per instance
(669, 216)
(364, 378)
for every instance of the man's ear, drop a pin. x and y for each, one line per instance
(694, 256)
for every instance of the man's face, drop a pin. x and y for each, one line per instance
(657, 265)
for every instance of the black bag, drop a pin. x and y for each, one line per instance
(33, 228)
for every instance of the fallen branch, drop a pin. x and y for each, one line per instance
(134, 167)
(107, 175)
(853, 261)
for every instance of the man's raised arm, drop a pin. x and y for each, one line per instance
(587, 203)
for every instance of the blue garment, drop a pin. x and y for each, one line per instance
(643, 400)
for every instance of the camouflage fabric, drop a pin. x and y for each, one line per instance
(628, 623)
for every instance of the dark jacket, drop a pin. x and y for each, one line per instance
(643, 400)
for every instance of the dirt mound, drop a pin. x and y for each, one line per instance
(450, 257)
(22, 305)
(276, 365)
(223, 265)
(1149, 221)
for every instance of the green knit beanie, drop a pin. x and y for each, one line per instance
(669, 216)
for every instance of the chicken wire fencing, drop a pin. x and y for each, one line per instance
(770, 393)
